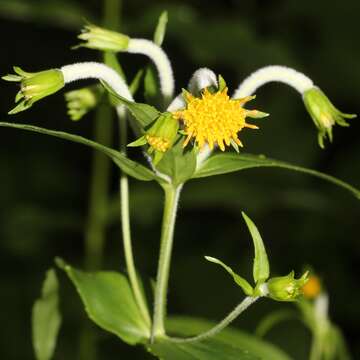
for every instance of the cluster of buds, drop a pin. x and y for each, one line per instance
(80, 102)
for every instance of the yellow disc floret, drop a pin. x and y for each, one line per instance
(158, 143)
(215, 118)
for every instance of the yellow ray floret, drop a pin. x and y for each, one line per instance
(215, 118)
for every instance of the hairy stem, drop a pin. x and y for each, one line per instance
(167, 235)
(222, 324)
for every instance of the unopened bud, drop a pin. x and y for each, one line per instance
(161, 136)
(102, 39)
(34, 86)
(324, 114)
(286, 288)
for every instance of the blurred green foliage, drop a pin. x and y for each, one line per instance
(44, 186)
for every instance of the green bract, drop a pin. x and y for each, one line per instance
(99, 38)
(34, 86)
(80, 102)
(286, 288)
(324, 114)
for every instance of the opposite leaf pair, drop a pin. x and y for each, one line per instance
(283, 288)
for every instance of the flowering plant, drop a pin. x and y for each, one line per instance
(179, 139)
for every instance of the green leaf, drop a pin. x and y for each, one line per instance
(130, 167)
(188, 326)
(152, 86)
(161, 28)
(109, 302)
(261, 268)
(178, 163)
(46, 318)
(272, 319)
(227, 163)
(143, 113)
(247, 288)
(136, 81)
(208, 349)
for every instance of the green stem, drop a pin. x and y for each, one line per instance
(222, 324)
(99, 190)
(112, 11)
(167, 234)
(126, 233)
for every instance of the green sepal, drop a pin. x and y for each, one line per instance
(221, 83)
(139, 142)
(46, 318)
(245, 286)
(261, 268)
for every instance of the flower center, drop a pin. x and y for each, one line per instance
(158, 143)
(214, 118)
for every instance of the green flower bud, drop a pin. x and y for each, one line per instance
(102, 39)
(34, 86)
(286, 288)
(324, 113)
(160, 136)
(80, 102)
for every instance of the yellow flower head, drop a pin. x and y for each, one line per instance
(215, 118)
(312, 288)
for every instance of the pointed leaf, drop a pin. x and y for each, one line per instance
(130, 167)
(261, 268)
(227, 163)
(136, 81)
(247, 288)
(143, 113)
(189, 326)
(161, 28)
(209, 349)
(109, 302)
(46, 318)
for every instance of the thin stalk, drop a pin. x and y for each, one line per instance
(222, 324)
(112, 11)
(99, 190)
(126, 233)
(167, 235)
(95, 231)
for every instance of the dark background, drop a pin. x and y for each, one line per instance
(44, 182)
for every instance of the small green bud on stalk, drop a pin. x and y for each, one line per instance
(160, 136)
(286, 288)
(102, 39)
(34, 86)
(80, 102)
(324, 114)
